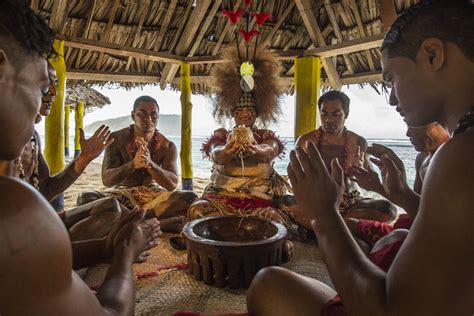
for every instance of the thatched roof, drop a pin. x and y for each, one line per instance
(79, 92)
(136, 42)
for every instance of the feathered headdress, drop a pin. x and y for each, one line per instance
(233, 82)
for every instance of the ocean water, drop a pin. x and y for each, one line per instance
(202, 167)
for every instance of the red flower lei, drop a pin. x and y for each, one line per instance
(345, 135)
(153, 145)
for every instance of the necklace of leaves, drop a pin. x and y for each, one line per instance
(34, 180)
(345, 135)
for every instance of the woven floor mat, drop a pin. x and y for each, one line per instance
(163, 287)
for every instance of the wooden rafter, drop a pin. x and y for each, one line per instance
(309, 19)
(59, 13)
(134, 78)
(360, 25)
(337, 32)
(86, 33)
(107, 31)
(388, 12)
(119, 50)
(35, 5)
(186, 39)
(143, 9)
(163, 28)
(277, 25)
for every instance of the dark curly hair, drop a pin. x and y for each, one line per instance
(448, 20)
(336, 95)
(23, 34)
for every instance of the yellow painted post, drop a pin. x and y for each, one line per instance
(79, 122)
(67, 111)
(54, 125)
(307, 86)
(186, 120)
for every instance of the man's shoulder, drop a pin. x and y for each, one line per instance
(124, 132)
(166, 142)
(309, 136)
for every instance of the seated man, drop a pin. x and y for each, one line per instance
(381, 240)
(34, 247)
(243, 180)
(141, 167)
(334, 140)
(430, 63)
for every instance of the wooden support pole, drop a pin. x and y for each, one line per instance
(79, 122)
(186, 120)
(54, 124)
(67, 111)
(307, 86)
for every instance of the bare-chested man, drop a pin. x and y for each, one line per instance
(35, 251)
(141, 165)
(334, 140)
(428, 57)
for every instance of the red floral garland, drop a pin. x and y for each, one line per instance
(345, 135)
(153, 146)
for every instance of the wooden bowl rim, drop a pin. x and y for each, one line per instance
(189, 233)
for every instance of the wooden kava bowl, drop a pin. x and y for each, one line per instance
(230, 250)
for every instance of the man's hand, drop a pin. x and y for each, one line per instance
(315, 189)
(367, 178)
(393, 179)
(138, 162)
(231, 149)
(92, 147)
(249, 150)
(378, 150)
(135, 239)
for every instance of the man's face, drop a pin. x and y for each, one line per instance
(21, 88)
(427, 138)
(48, 99)
(411, 94)
(332, 116)
(245, 116)
(146, 116)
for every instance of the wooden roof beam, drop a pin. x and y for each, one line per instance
(119, 50)
(163, 28)
(147, 78)
(143, 8)
(360, 25)
(59, 13)
(360, 44)
(388, 13)
(337, 32)
(108, 29)
(183, 47)
(275, 28)
(309, 19)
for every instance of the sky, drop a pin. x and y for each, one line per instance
(370, 115)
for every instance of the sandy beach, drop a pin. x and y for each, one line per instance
(90, 180)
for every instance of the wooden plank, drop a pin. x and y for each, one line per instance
(185, 41)
(337, 32)
(35, 5)
(388, 13)
(163, 28)
(59, 13)
(275, 28)
(144, 78)
(86, 33)
(309, 19)
(360, 25)
(107, 30)
(360, 44)
(116, 49)
(136, 37)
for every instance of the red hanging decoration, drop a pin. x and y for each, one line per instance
(233, 15)
(261, 17)
(248, 35)
(248, 2)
